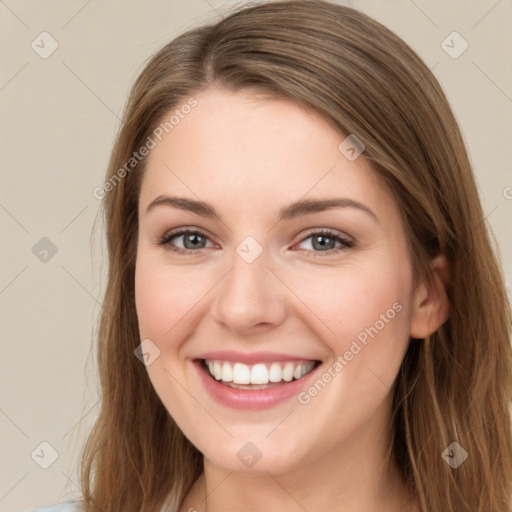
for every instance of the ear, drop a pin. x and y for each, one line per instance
(431, 306)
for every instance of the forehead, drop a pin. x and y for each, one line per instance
(239, 150)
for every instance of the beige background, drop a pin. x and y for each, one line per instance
(59, 117)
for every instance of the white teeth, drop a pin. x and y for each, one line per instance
(258, 374)
(217, 370)
(227, 372)
(288, 372)
(241, 374)
(275, 373)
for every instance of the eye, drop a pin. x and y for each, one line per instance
(324, 241)
(193, 240)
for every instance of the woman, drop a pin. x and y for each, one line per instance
(303, 310)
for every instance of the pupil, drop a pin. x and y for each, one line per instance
(321, 244)
(192, 238)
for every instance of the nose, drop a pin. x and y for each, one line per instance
(250, 298)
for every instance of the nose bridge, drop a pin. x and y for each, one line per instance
(250, 294)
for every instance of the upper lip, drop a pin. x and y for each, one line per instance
(252, 357)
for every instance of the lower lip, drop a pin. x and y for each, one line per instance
(251, 399)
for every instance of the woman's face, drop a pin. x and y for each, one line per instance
(266, 286)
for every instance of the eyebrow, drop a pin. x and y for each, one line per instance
(292, 211)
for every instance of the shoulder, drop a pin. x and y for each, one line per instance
(64, 506)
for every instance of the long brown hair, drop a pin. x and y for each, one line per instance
(453, 386)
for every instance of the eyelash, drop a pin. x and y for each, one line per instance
(345, 243)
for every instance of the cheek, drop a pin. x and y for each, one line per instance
(374, 322)
(151, 300)
(374, 310)
(342, 302)
(165, 302)
(361, 313)
(366, 309)
(165, 296)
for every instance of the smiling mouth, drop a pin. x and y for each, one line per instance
(257, 376)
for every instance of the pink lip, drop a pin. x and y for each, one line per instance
(251, 358)
(250, 399)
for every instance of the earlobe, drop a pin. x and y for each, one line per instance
(431, 306)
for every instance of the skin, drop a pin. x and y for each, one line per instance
(248, 157)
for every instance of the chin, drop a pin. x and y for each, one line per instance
(255, 456)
